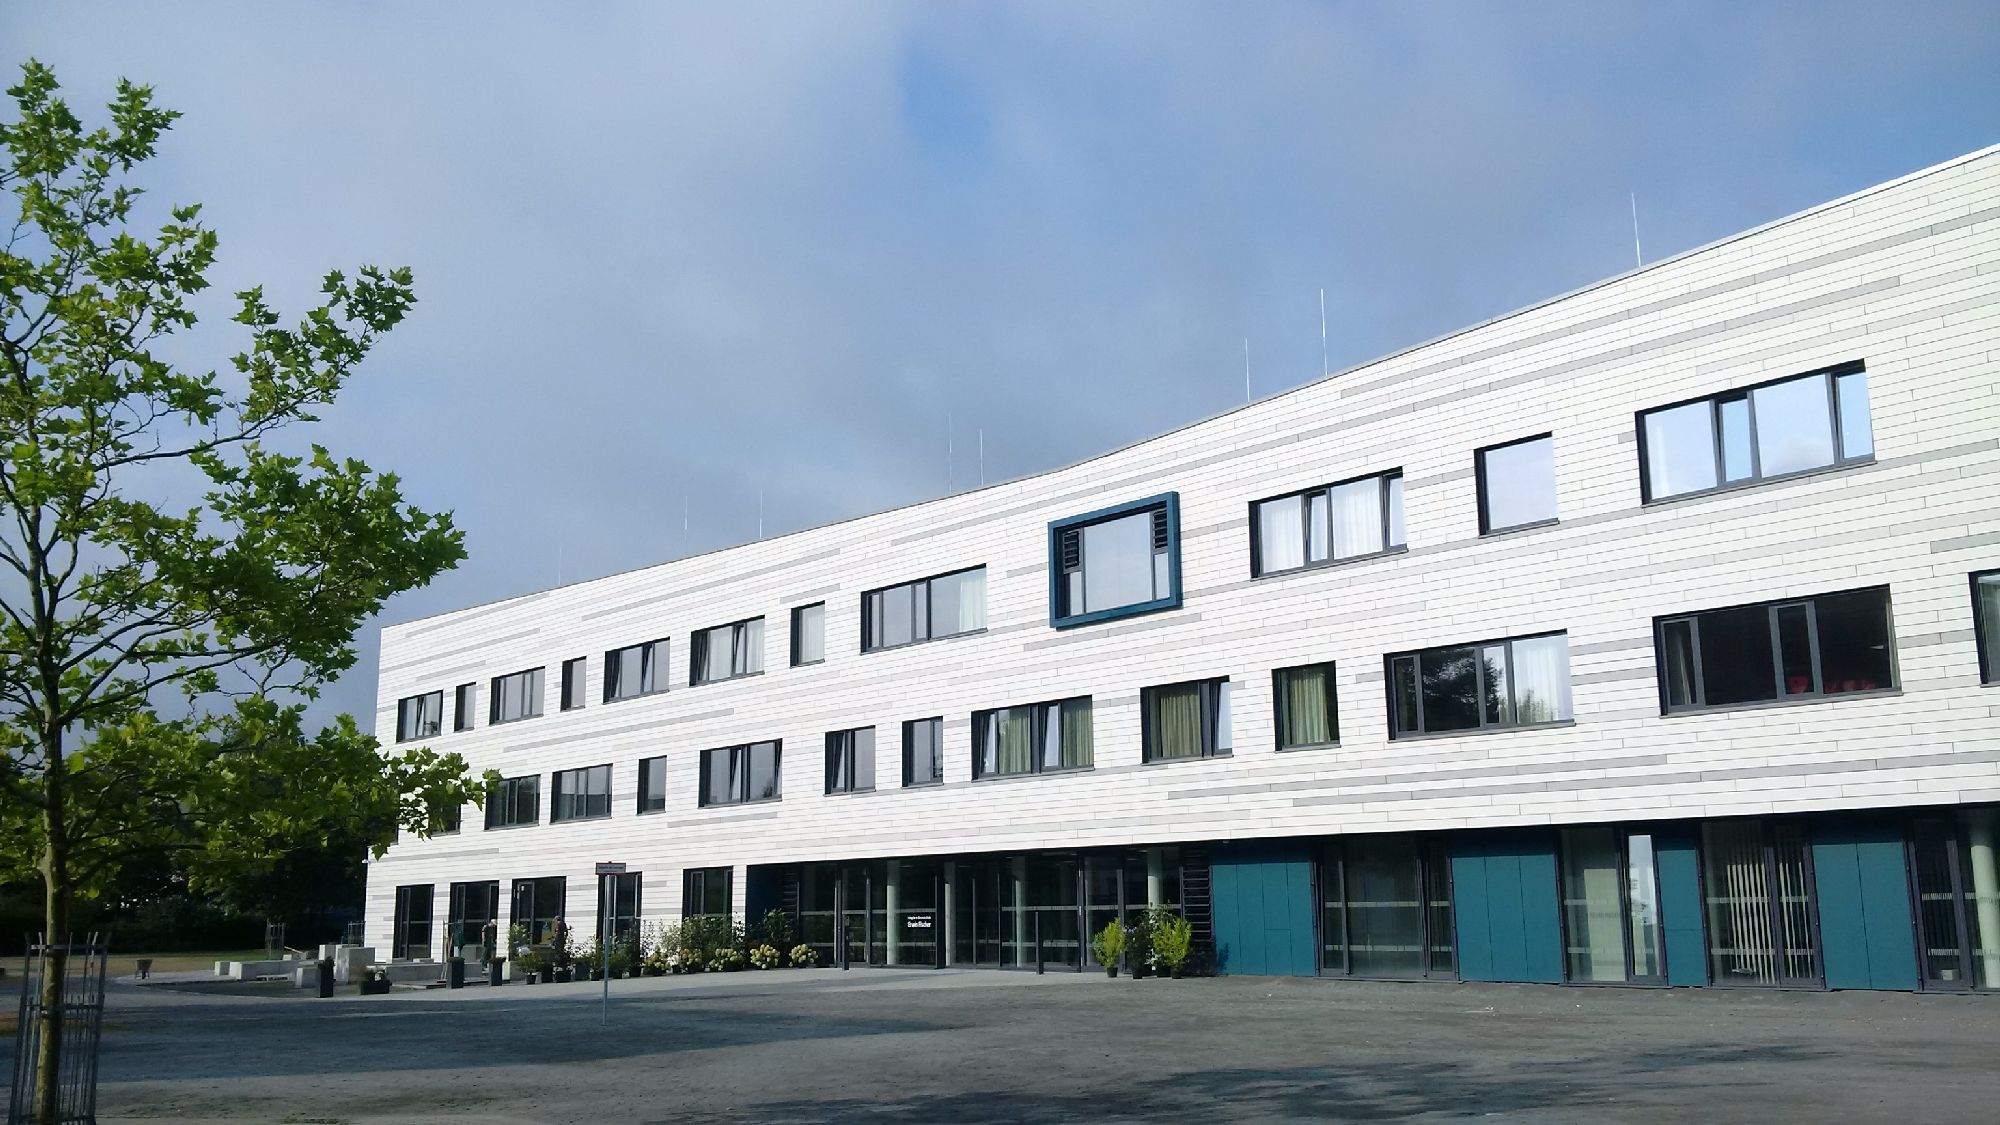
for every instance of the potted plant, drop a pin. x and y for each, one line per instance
(1139, 944)
(375, 982)
(533, 963)
(1173, 939)
(803, 957)
(624, 959)
(1108, 945)
(765, 957)
(591, 958)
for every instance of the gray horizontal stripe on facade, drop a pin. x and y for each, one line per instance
(461, 650)
(809, 595)
(1612, 675)
(1418, 777)
(1115, 700)
(1925, 640)
(703, 817)
(1960, 543)
(699, 587)
(1030, 569)
(1802, 769)
(1662, 304)
(432, 857)
(1114, 631)
(1625, 437)
(475, 614)
(1211, 528)
(1619, 645)
(1445, 477)
(1152, 473)
(617, 732)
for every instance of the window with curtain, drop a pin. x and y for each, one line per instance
(1033, 738)
(1306, 710)
(1189, 720)
(1803, 648)
(1517, 484)
(809, 634)
(465, 702)
(516, 696)
(653, 784)
(1519, 682)
(514, 802)
(1329, 524)
(419, 716)
(736, 775)
(850, 760)
(583, 794)
(947, 605)
(1116, 562)
(572, 684)
(923, 752)
(1792, 425)
(1986, 623)
(727, 651)
(635, 670)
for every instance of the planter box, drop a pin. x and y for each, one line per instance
(375, 987)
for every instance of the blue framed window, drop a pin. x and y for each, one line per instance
(1115, 562)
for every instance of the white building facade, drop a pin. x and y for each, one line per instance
(1632, 637)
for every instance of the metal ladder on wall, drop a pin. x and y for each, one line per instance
(1197, 906)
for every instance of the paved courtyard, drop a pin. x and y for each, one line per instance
(990, 1046)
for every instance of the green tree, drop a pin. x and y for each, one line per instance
(115, 600)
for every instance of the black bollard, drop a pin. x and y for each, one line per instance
(325, 977)
(493, 972)
(455, 974)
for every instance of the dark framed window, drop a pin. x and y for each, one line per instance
(580, 794)
(705, 892)
(923, 752)
(1517, 484)
(727, 651)
(1354, 519)
(1952, 872)
(447, 821)
(1763, 919)
(850, 760)
(1034, 738)
(1986, 623)
(572, 684)
(537, 905)
(516, 696)
(1187, 720)
(419, 716)
(1777, 429)
(947, 605)
(514, 802)
(737, 775)
(1386, 908)
(1800, 648)
(1517, 682)
(464, 705)
(412, 938)
(635, 670)
(653, 784)
(1306, 706)
(808, 634)
(1611, 908)
(1115, 562)
(622, 895)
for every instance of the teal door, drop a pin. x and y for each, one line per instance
(1504, 891)
(1866, 932)
(1263, 901)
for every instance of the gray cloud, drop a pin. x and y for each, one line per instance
(669, 251)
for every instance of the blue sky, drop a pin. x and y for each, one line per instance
(669, 251)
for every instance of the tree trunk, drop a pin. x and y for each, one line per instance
(55, 935)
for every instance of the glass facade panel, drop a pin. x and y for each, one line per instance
(1386, 909)
(1517, 484)
(1451, 689)
(1118, 562)
(583, 794)
(1356, 514)
(516, 696)
(1794, 636)
(1281, 531)
(1794, 425)
(1593, 905)
(537, 904)
(1736, 656)
(1306, 713)
(1394, 533)
(1854, 642)
(1857, 426)
(465, 705)
(1642, 909)
(419, 716)
(1756, 879)
(1821, 646)
(1738, 451)
(809, 634)
(923, 752)
(653, 784)
(1680, 449)
(1986, 624)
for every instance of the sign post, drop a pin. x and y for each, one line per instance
(604, 909)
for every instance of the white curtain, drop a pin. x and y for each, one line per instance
(1357, 518)
(1541, 680)
(1282, 534)
(749, 656)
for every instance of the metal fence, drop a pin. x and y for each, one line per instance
(82, 1028)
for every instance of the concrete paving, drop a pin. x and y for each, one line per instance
(913, 1046)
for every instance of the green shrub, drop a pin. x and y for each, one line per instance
(777, 927)
(1173, 939)
(803, 956)
(764, 957)
(1109, 943)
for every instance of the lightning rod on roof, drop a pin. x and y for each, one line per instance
(760, 513)
(1246, 369)
(1638, 259)
(982, 456)
(1325, 368)
(950, 479)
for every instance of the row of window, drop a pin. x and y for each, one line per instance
(1832, 644)
(1125, 559)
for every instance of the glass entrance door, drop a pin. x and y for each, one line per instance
(1757, 888)
(1386, 908)
(412, 938)
(1610, 907)
(1957, 875)
(473, 908)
